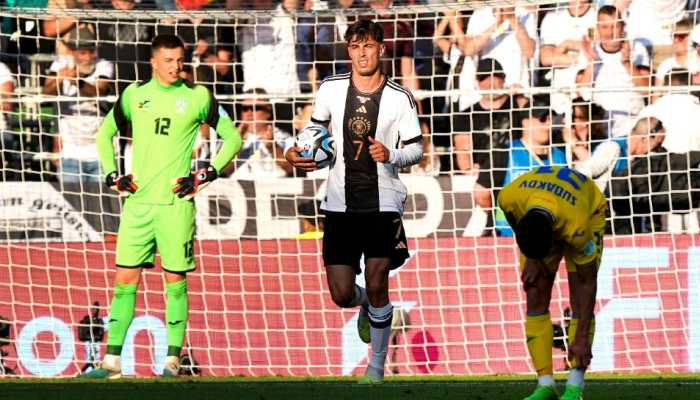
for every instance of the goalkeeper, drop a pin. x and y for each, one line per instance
(557, 212)
(163, 117)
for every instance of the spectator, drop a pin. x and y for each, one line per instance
(22, 35)
(10, 147)
(263, 144)
(58, 26)
(397, 61)
(614, 158)
(680, 113)
(218, 73)
(196, 32)
(694, 54)
(565, 47)
(487, 124)
(126, 44)
(651, 23)
(533, 148)
(618, 64)
(82, 74)
(507, 34)
(663, 182)
(681, 48)
(268, 53)
(462, 74)
(321, 48)
(583, 131)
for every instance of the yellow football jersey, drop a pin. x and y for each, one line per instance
(578, 207)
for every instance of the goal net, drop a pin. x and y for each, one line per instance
(601, 89)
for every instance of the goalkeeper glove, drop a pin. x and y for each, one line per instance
(123, 184)
(189, 186)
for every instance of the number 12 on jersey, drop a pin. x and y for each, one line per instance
(162, 126)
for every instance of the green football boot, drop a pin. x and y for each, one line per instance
(363, 328)
(572, 392)
(548, 392)
(372, 376)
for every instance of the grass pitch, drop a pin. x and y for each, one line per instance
(602, 387)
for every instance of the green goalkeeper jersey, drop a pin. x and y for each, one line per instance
(163, 122)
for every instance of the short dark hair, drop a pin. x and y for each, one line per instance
(595, 115)
(534, 233)
(610, 11)
(166, 42)
(364, 29)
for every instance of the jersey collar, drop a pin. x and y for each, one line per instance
(162, 87)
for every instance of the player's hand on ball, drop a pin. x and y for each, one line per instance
(125, 184)
(378, 151)
(189, 186)
(303, 163)
(580, 352)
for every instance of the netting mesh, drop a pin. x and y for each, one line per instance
(595, 87)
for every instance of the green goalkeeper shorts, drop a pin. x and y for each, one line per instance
(168, 227)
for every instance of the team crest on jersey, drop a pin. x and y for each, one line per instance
(144, 105)
(180, 106)
(359, 125)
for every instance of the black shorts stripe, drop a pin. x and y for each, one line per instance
(144, 265)
(178, 272)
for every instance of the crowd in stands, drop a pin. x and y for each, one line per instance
(598, 85)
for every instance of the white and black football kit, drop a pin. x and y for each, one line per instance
(365, 199)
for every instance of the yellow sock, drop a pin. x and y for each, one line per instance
(540, 334)
(573, 325)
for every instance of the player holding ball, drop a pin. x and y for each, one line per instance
(375, 124)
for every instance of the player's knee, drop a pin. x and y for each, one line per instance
(342, 297)
(127, 275)
(377, 292)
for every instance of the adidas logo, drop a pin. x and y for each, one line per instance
(361, 109)
(400, 245)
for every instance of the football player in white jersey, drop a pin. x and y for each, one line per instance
(375, 125)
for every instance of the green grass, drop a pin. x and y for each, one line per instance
(603, 387)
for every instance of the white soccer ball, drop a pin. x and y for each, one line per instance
(317, 143)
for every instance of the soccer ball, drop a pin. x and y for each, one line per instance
(317, 143)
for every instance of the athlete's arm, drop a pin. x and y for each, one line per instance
(116, 120)
(321, 116)
(584, 287)
(411, 138)
(219, 119)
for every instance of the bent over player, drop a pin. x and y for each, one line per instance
(163, 117)
(366, 112)
(557, 212)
